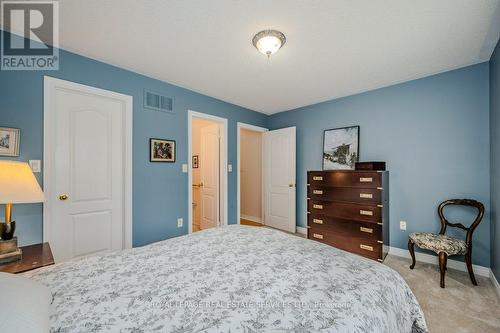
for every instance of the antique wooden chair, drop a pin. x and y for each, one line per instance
(446, 246)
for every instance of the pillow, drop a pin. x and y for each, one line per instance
(24, 305)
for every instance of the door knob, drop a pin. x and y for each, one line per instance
(63, 197)
(291, 185)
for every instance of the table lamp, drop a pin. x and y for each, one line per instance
(17, 185)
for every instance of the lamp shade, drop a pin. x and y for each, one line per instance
(18, 184)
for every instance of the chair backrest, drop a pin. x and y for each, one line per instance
(461, 202)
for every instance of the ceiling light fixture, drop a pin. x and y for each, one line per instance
(268, 42)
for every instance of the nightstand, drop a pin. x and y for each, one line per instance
(34, 256)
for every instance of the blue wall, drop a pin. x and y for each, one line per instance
(432, 132)
(495, 159)
(434, 135)
(160, 189)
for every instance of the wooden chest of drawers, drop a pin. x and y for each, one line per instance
(350, 210)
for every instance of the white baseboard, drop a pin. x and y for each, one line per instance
(432, 259)
(251, 218)
(301, 230)
(495, 283)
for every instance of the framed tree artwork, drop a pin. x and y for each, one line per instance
(340, 148)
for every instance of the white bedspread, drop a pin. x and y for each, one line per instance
(230, 279)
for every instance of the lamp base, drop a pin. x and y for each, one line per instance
(9, 251)
(7, 230)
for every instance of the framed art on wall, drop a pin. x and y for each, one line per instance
(9, 141)
(161, 150)
(340, 148)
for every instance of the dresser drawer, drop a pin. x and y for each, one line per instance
(350, 194)
(346, 228)
(348, 211)
(368, 179)
(367, 248)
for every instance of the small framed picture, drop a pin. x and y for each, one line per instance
(341, 148)
(161, 150)
(9, 141)
(195, 161)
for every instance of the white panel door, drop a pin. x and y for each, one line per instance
(279, 179)
(209, 165)
(87, 185)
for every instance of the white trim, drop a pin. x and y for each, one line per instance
(432, 259)
(254, 128)
(224, 171)
(50, 84)
(251, 218)
(495, 283)
(301, 230)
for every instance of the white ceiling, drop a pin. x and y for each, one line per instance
(334, 47)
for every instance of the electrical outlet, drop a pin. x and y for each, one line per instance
(179, 222)
(402, 225)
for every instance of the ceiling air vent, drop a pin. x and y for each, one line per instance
(157, 102)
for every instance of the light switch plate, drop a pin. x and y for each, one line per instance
(402, 225)
(35, 165)
(229, 168)
(185, 168)
(179, 222)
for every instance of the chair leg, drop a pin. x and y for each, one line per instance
(443, 257)
(411, 248)
(468, 261)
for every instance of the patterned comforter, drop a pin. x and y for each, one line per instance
(230, 279)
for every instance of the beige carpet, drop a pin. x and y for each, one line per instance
(458, 308)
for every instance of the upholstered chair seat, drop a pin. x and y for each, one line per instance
(446, 246)
(439, 243)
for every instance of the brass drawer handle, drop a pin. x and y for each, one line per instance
(366, 212)
(317, 178)
(318, 236)
(318, 206)
(365, 179)
(317, 221)
(366, 195)
(317, 192)
(366, 247)
(367, 230)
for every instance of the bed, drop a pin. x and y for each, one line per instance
(230, 279)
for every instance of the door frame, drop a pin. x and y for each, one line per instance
(254, 128)
(223, 199)
(50, 84)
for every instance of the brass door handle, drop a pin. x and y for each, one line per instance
(63, 197)
(291, 185)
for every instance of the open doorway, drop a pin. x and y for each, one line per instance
(274, 187)
(250, 175)
(207, 171)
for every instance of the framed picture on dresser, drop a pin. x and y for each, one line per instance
(340, 148)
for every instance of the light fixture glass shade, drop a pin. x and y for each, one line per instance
(268, 42)
(18, 184)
